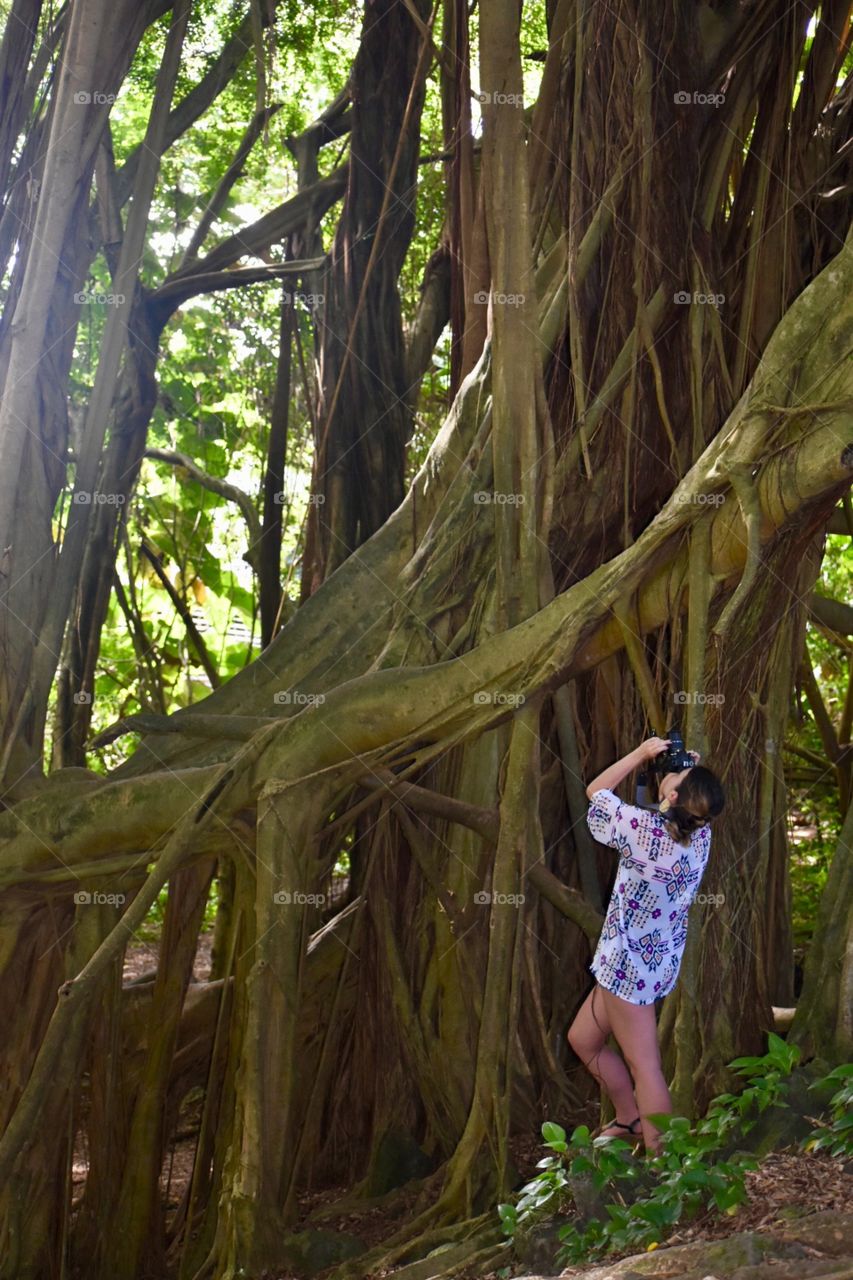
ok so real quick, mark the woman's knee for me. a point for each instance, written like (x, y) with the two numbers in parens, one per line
(576, 1038)
(588, 1055)
(582, 1043)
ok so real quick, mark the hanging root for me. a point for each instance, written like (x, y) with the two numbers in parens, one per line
(742, 483)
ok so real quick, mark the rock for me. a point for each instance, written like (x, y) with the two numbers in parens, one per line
(830, 1231)
(792, 1213)
(784, 1253)
(397, 1160)
(591, 1202)
(538, 1247)
(700, 1260)
(74, 773)
(795, 1270)
(308, 1252)
(744, 1249)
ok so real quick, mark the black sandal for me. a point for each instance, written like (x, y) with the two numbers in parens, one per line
(618, 1124)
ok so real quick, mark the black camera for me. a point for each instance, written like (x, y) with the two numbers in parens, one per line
(673, 759)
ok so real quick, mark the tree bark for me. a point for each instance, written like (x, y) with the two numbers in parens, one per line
(364, 421)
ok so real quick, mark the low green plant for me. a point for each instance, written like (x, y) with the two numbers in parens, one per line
(687, 1177)
(767, 1087)
(550, 1190)
(685, 1180)
(836, 1135)
(647, 1198)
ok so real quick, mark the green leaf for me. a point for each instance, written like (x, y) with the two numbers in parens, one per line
(553, 1133)
(508, 1215)
(648, 1211)
(567, 1232)
(728, 1198)
(695, 1178)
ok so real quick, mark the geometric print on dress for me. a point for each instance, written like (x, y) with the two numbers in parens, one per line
(679, 936)
(620, 973)
(666, 979)
(678, 921)
(652, 948)
(647, 839)
(632, 864)
(627, 942)
(640, 901)
(677, 878)
(655, 850)
(611, 926)
(657, 843)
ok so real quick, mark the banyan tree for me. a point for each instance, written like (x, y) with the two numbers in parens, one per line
(647, 278)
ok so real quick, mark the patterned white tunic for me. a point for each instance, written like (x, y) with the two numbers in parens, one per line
(640, 948)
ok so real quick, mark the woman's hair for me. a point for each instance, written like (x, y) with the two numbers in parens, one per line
(700, 797)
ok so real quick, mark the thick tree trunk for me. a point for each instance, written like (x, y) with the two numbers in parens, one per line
(364, 418)
(99, 42)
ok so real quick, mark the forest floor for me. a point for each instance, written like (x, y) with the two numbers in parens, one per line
(787, 1182)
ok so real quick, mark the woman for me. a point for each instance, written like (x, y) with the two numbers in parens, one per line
(662, 858)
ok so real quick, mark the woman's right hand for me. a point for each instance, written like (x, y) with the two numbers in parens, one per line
(652, 747)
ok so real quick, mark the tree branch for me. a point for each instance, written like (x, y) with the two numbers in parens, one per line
(221, 487)
(835, 615)
(305, 207)
(486, 822)
(826, 729)
(232, 173)
(236, 728)
(741, 478)
(432, 316)
(185, 615)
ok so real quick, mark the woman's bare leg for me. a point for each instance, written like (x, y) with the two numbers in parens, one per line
(636, 1033)
(588, 1037)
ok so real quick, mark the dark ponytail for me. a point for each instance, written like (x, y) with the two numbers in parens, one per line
(700, 798)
